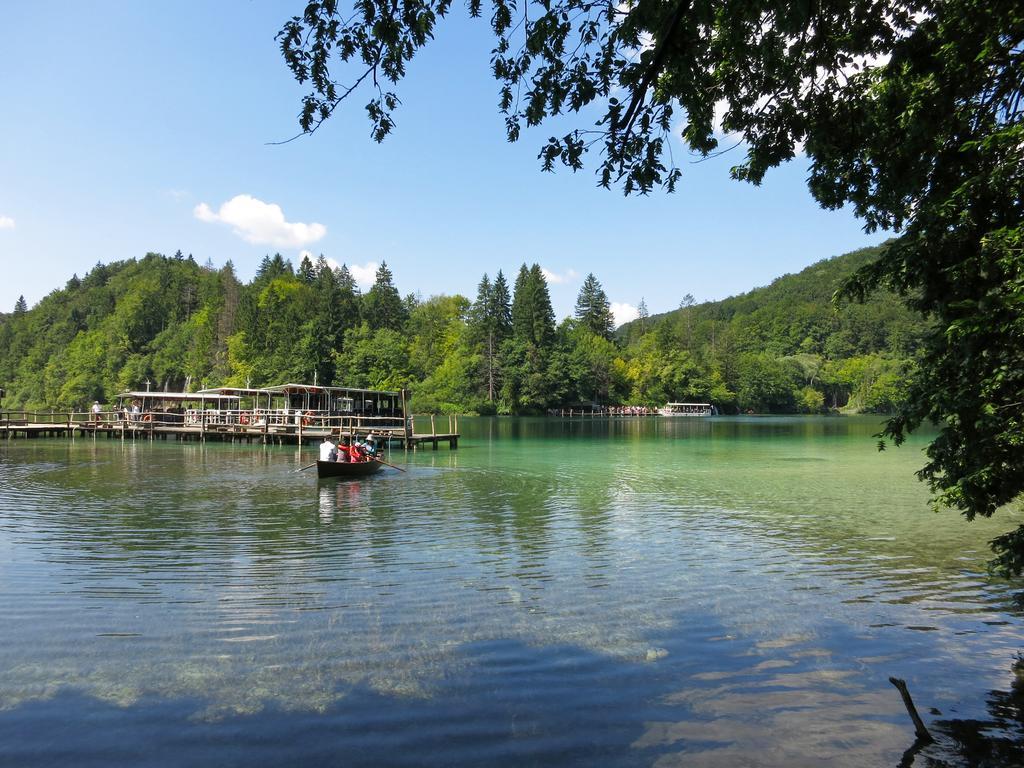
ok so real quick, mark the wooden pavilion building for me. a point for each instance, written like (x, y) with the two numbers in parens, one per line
(286, 413)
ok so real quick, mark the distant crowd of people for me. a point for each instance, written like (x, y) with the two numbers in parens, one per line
(608, 410)
(632, 410)
(346, 450)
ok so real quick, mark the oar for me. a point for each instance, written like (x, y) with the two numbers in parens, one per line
(389, 465)
(306, 467)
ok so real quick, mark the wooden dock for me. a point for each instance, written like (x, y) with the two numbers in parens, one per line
(235, 426)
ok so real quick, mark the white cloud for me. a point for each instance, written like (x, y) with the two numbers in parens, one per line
(365, 275)
(623, 313)
(554, 278)
(6, 222)
(261, 223)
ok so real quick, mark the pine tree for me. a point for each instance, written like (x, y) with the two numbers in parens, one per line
(263, 270)
(272, 268)
(383, 306)
(642, 315)
(20, 306)
(327, 327)
(543, 315)
(526, 356)
(349, 301)
(227, 319)
(480, 312)
(502, 302)
(490, 322)
(306, 272)
(322, 266)
(522, 302)
(533, 319)
(593, 309)
(686, 312)
(482, 327)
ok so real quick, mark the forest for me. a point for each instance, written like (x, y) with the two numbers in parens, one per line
(169, 323)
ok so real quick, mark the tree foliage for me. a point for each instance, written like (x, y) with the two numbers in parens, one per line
(181, 326)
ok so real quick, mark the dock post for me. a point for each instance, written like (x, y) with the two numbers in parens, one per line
(406, 429)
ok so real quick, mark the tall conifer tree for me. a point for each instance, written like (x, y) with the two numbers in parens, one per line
(542, 313)
(349, 301)
(502, 307)
(490, 326)
(522, 302)
(306, 272)
(593, 310)
(383, 306)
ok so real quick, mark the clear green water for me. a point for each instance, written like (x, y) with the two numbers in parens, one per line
(710, 592)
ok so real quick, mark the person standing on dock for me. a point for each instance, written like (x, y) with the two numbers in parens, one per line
(96, 409)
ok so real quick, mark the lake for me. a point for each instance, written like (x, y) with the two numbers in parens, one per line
(633, 592)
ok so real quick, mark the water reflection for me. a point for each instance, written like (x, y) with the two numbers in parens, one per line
(742, 589)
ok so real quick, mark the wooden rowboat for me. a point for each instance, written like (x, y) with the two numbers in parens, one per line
(347, 468)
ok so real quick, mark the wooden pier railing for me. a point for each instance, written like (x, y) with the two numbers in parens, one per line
(263, 425)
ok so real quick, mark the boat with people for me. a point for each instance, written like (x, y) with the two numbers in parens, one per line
(687, 409)
(348, 468)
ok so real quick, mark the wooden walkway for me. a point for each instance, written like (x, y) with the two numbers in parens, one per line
(72, 425)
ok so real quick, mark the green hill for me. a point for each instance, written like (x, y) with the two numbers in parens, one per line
(795, 314)
(181, 325)
(786, 347)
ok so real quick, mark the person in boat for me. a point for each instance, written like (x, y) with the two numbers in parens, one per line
(372, 446)
(343, 450)
(328, 450)
(358, 451)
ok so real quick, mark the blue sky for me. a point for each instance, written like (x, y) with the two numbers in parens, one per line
(129, 125)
